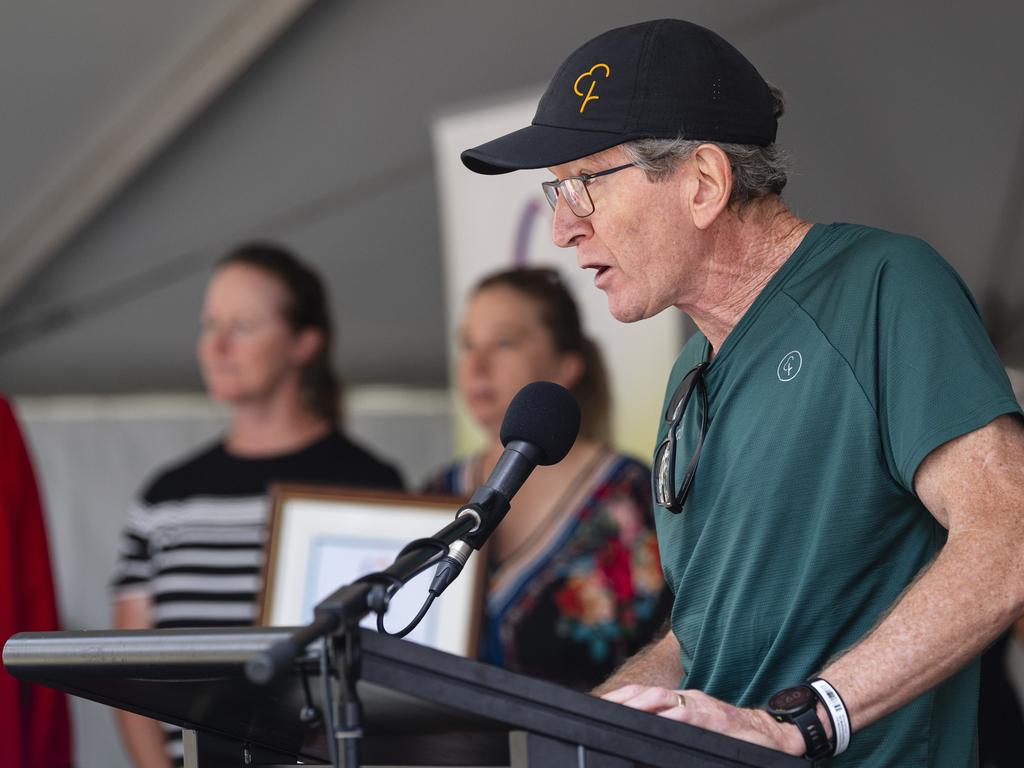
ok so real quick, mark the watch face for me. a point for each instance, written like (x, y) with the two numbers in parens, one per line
(792, 700)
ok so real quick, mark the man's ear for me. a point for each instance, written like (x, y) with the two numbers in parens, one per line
(712, 173)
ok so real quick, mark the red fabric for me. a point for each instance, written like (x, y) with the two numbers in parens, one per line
(34, 727)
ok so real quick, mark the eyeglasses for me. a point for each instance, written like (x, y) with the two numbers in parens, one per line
(574, 190)
(665, 492)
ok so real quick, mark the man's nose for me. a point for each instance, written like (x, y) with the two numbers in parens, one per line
(566, 226)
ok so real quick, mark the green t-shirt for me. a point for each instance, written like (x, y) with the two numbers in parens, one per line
(863, 354)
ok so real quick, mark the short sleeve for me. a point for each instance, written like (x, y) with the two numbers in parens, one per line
(134, 570)
(938, 375)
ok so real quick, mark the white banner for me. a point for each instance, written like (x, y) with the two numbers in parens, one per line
(496, 222)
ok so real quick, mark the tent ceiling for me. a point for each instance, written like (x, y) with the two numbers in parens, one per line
(106, 150)
(902, 115)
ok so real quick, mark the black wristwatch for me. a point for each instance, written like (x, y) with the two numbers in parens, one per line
(798, 705)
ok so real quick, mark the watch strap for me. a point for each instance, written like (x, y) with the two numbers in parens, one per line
(818, 744)
(804, 715)
(835, 707)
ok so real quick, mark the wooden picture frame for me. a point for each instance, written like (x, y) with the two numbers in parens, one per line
(321, 538)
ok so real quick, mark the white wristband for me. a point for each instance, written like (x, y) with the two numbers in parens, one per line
(836, 713)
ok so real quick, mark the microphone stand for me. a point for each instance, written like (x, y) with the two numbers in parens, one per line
(336, 620)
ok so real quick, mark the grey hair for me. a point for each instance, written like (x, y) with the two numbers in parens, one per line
(757, 171)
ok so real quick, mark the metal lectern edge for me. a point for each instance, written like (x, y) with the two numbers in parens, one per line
(518, 702)
(534, 705)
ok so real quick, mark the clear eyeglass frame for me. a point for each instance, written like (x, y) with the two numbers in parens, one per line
(573, 189)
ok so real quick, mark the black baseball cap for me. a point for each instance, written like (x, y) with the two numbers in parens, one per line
(657, 79)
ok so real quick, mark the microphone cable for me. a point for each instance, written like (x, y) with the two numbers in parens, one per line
(386, 586)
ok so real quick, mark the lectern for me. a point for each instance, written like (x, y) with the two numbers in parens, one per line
(422, 707)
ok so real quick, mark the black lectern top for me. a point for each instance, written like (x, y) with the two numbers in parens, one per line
(421, 705)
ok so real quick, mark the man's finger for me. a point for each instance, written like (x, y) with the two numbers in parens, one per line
(654, 700)
(623, 694)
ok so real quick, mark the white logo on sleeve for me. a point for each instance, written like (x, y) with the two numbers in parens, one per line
(790, 366)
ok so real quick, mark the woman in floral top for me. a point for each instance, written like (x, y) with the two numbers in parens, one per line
(575, 586)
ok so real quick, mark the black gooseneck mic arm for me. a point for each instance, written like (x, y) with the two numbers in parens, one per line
(487, 507)
(336, 619)
(347, 606)
(494, 497)
(540, 427)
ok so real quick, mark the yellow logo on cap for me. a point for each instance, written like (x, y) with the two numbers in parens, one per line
(590, 93)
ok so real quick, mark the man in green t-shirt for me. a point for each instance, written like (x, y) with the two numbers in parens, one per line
(838, 474)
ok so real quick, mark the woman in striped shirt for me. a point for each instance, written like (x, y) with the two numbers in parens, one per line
(192, 548)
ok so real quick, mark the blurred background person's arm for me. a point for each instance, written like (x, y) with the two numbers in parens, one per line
(143, 738)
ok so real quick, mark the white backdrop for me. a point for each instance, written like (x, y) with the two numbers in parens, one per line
(496, 222)
(92, 455)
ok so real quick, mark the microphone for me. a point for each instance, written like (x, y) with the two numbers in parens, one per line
(540, 426)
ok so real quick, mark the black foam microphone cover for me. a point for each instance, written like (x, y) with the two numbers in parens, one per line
(543, 414)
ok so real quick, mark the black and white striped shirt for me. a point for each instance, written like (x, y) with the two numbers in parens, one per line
(193, 541)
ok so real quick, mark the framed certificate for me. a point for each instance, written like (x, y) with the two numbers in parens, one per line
(323, 538)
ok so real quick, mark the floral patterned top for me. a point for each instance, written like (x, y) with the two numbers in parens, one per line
(587, 591)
